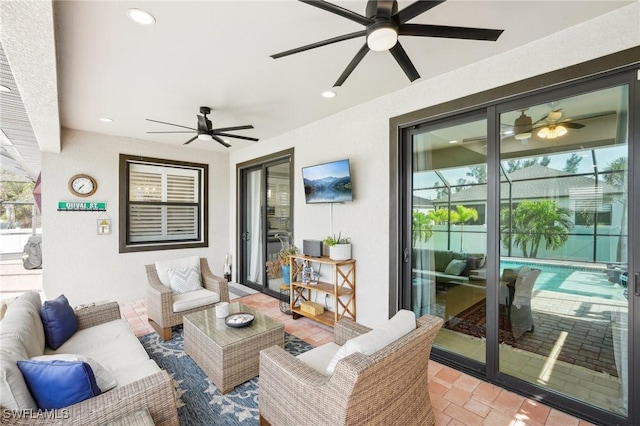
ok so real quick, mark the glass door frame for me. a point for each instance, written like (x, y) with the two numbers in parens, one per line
(401, 226)
(242, 170)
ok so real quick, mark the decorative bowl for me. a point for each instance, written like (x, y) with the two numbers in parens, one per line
(239, 320)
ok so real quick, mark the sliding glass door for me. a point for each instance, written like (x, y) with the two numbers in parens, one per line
(564, 258)
(265, 220)
(448, 247)
(516, 232)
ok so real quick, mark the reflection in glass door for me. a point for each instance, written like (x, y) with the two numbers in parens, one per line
(448, 251)
(266, 223)
(563, 232)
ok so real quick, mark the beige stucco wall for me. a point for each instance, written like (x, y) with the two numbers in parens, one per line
(86, 266)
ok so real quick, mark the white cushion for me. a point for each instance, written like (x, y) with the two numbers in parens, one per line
(104, 377)
(14, 393)
(185, 280)
(22, 320)
(320, 357)
(163, 266)
(194, 299)
(368, 343)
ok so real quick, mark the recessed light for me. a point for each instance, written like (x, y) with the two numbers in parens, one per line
(508, 132)
(4, 88)
(453, 141)
(328, 94)
(141, 16)
(106, 119)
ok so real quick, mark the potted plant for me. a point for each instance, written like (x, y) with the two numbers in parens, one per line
(339, 248)
(280, 265)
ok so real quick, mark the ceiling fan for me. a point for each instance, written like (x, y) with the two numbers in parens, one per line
(383, 24)
(205, 130)
(551, 125)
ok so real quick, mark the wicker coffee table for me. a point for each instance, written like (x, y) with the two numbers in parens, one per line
(229, 356)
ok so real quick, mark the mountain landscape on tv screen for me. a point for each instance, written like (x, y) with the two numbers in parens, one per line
(328, 189)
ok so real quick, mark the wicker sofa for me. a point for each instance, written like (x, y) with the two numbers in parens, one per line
(102, 336)
(387, 387)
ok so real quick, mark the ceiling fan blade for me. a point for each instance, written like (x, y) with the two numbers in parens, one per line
(191, 140)
(405, 63)
(337, 10)
(320, 44)
(352, 65)
(228, 129)
(414, 10)
(229, 135)
(571, 125)
(177, 131)
(444, 31)
(171, 124)
(220, 141)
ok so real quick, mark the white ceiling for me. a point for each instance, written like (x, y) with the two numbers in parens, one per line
(216, 54)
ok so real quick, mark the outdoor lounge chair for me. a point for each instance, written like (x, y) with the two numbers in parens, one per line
(388, 387)
(165, 307)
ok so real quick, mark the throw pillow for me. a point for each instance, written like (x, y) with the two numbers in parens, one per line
(59, 321)
(368, 343)
(185, 280)
(104, 377)
(455, 267)
(58, 384)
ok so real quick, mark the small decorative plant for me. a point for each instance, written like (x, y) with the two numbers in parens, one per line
(275, 266)
(332, 240)
(339, 248)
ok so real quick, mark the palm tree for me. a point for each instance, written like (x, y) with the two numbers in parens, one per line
(420, 227)
(463, 215)
(532, 221)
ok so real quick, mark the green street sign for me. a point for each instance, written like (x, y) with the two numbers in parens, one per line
(80, 206)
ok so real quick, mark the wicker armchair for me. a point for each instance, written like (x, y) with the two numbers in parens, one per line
(160, 298)
(387, 387)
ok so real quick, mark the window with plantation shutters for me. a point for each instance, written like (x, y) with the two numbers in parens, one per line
(164, 204)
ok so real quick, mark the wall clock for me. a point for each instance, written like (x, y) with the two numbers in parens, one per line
(82, 185)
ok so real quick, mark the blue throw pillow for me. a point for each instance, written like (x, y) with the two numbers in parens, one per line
(59, 321)
(58, 384)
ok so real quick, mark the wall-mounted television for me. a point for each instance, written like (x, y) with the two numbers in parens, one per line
(328, 182)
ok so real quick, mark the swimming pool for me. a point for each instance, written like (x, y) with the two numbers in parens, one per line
(575, 280)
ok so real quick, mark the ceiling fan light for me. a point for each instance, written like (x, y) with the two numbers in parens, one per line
(204, 137)
(381, 39)
(552, 132)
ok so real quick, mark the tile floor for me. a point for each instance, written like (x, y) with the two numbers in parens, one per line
(458, 399)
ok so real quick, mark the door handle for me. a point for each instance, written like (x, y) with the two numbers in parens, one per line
(635, 284)
(405, 255)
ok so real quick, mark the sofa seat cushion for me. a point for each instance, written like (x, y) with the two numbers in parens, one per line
(194, 299)
(115, 347)
(163, 267)
(320, 357)
(104, 377)
(22, 320)
(57, 384)
(14, 393)
(368, 343)
(59, 321)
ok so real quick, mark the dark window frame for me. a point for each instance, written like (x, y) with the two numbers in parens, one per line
(202, 240)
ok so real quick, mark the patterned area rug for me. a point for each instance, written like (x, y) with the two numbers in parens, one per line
(587, 341)
(199, 402)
